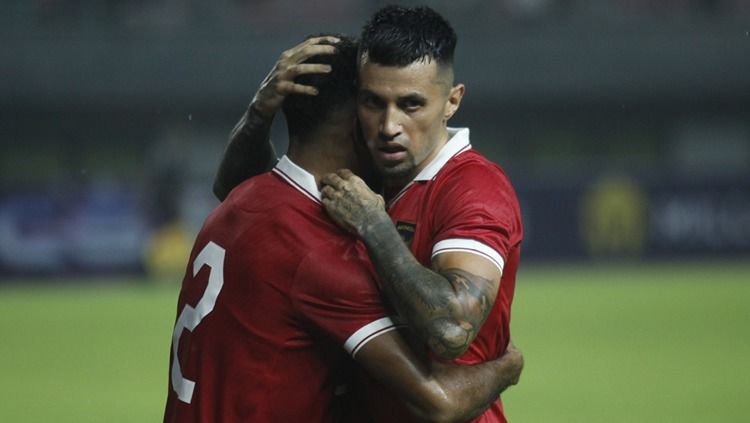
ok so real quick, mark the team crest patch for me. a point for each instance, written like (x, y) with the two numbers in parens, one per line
(406, 230)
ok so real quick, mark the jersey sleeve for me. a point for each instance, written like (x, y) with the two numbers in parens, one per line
(336, 291)
(477, 212)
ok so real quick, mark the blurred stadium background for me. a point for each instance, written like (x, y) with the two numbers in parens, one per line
(624, 124)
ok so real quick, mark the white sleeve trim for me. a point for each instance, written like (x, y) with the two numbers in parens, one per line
(469, 246)
(367, 333)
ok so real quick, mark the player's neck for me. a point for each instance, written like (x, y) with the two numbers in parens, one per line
(322, 155)
(392, 186)
(394, 183)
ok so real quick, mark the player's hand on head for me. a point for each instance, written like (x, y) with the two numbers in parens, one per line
(350, 202)
(279, 82)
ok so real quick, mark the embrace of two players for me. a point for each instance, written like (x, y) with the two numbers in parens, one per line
(310, 297)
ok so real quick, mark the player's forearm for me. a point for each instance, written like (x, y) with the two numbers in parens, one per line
(428, 301)
(248, 153)
(477, 387)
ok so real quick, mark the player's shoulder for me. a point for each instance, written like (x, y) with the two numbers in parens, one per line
(471, 166)
(263, 192)
(471, 178)
(256, 184)
(337, 266)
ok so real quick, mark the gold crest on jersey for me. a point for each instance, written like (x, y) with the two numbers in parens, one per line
(406, 230)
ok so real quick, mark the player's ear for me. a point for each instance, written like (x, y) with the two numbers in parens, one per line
(454, 101)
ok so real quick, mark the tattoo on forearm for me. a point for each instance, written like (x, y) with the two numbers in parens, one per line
(450, 308)
(471, 300)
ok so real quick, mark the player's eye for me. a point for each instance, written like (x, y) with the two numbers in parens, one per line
(411, 104)
(370, 101)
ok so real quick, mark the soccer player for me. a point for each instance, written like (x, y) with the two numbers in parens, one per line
(276, 295)
(448, 247)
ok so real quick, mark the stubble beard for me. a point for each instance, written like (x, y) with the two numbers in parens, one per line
(397, 176)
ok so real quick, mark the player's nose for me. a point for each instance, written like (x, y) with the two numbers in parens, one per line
(389, 124)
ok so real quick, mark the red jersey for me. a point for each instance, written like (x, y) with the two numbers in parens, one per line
(274, 298)
(463, 202)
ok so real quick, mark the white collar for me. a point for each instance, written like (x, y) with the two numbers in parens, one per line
(297, 177)
(458, 141)
(304, 181)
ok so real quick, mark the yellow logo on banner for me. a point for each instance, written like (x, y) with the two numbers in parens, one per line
(613, 218)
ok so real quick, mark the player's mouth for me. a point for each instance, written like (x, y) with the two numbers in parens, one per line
(392, 152)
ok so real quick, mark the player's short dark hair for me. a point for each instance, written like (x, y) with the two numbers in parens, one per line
(399, 36)
(336, 89)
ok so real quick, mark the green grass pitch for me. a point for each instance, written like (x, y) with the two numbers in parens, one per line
(603, 343)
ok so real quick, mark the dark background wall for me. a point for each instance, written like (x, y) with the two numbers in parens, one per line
(624, 124)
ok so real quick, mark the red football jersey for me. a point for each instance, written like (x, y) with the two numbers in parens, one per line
(274, 297)
(463, 202)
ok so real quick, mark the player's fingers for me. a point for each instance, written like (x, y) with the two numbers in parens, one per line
(327, 203)
(307, 68)
(322, 38)
(288, 87)
(332, 180)
(325, 40)
(345, 174)
(293, 71)
(292, 51)
(327, 193)
(308, 51)
(353, 181)
(326, 181)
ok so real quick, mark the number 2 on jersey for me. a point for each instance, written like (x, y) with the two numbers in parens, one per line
(212, 256)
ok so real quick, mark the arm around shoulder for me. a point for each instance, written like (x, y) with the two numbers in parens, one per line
(438, 392)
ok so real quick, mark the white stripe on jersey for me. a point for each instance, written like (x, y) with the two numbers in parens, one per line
(367, 333)
(469, 246)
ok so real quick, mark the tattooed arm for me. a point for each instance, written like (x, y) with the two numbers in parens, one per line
(446, 305)
(249, 151)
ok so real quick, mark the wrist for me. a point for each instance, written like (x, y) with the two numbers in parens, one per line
(377, 225)
(259, 114)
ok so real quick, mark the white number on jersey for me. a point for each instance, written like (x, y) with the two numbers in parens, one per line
(212, 256)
